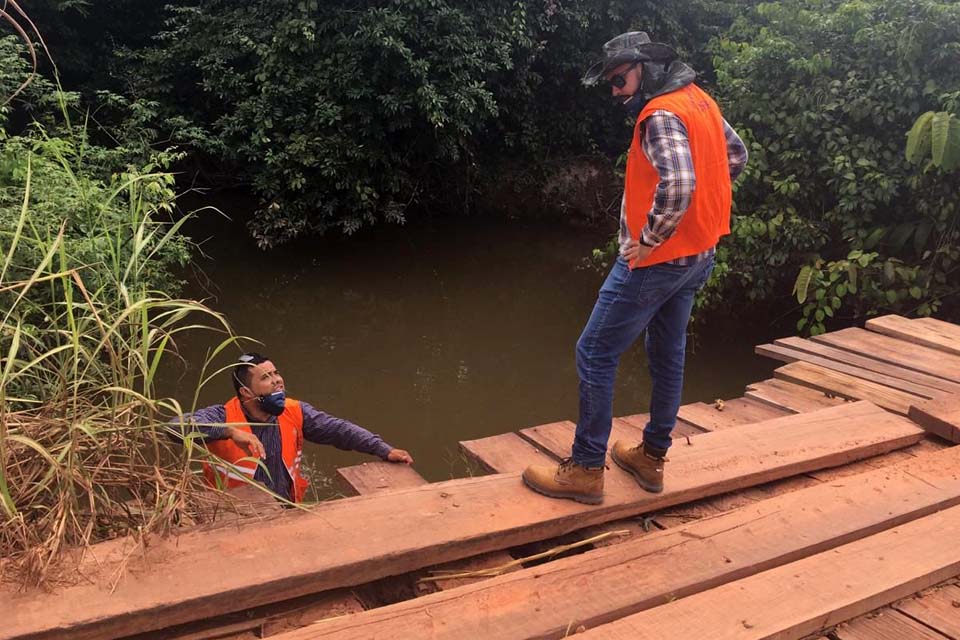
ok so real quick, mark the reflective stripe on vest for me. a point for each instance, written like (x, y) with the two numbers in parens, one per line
(708, 217)
(290, 423)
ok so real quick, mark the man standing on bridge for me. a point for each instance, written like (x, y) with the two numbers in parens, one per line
(258, 434)
(676, 205)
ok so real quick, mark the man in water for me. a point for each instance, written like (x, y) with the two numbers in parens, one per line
(676, 205)
(260, 433)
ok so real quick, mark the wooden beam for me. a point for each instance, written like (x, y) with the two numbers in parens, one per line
(888, 624)
(806, 596)
(556, 438)
(868, 363)
(680, 430)
(893, 351)
(788, 354)
(791, 397)
(352, 541)
(733, 413)
(847, 386)
(938, 609)
(940, 417)
(550, 600)
(504, 453)
(911, 331)
(373, 477)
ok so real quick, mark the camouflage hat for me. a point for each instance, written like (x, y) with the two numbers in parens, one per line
(633, 46)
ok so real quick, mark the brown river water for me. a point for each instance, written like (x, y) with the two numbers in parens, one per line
(435, 334)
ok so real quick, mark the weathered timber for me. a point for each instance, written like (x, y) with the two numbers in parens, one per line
(940, 417)
(372, 477)
(791, 397)
(369, 537)
(803, 597)
(504, 453)
(888, 624)
(788, 354)
(938, 609)
(905, 354)
(847, 386)
(868, 363)
(680, 430)
(729, 413)
(917, 333)
(665, 565)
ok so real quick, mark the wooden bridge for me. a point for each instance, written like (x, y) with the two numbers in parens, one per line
(819, 496)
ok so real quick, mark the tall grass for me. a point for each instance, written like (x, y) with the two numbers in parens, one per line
(85, 454)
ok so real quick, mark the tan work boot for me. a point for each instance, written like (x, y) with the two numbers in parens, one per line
(567, 480)
(644, 463)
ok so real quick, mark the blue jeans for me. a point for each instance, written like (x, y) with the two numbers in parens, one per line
(659, 299)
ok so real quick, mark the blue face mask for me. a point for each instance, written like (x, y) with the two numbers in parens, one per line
(273, 403)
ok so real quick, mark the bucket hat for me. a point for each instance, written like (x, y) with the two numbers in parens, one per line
(633, 46)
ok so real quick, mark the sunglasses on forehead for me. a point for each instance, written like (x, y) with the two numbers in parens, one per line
(618, 80)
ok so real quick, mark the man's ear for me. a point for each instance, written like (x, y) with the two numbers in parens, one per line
(246, 393)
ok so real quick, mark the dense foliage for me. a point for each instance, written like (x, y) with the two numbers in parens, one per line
(825, 91)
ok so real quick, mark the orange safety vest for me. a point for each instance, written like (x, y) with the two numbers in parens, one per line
(708, 217)
(290, 423)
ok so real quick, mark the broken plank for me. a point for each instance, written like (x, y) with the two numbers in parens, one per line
(940, 417)
(887, 349)
(939, 609)
(370, 537)
(806, 596)
(504, 453)
(868, 363)
(847, 386)
(736, 412)
(549, 600)
(790, 397)
(788, 354)
(904, 329)
(371, 477)
(888, 624)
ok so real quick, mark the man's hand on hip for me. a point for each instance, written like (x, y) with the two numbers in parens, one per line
(635, 251)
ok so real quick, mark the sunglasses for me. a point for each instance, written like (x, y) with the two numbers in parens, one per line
(618, 80)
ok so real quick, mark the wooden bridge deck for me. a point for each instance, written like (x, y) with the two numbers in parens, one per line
(813, 499)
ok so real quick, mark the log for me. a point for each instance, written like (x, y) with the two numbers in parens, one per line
(352, 541)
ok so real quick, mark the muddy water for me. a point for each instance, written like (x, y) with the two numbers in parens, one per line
(436, 334)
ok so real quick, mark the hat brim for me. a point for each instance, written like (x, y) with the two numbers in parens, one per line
(653, 51)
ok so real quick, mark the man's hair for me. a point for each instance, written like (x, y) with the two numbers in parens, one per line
(243, 368)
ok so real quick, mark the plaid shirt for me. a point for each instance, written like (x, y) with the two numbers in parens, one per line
(667, 147)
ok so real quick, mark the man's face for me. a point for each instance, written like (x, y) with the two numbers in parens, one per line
(264, 379)
(631, 73)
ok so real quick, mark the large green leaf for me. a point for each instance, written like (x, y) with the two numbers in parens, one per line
(802, 285)
(939, 131)
(918, 140)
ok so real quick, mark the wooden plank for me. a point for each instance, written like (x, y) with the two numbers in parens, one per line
(940, 417)
(788, 354)
(904, 329)
(887, 349)
(888, 624)
(946, 329)
(504, 453)
(868, 363)
(546, 601)
(925, 446)
(680, 430)
(373, 477)
(370, 537)
(556, 438)
(806, 596)
(790, 397)
(939, 609)
(846, 386)
(733, 413)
